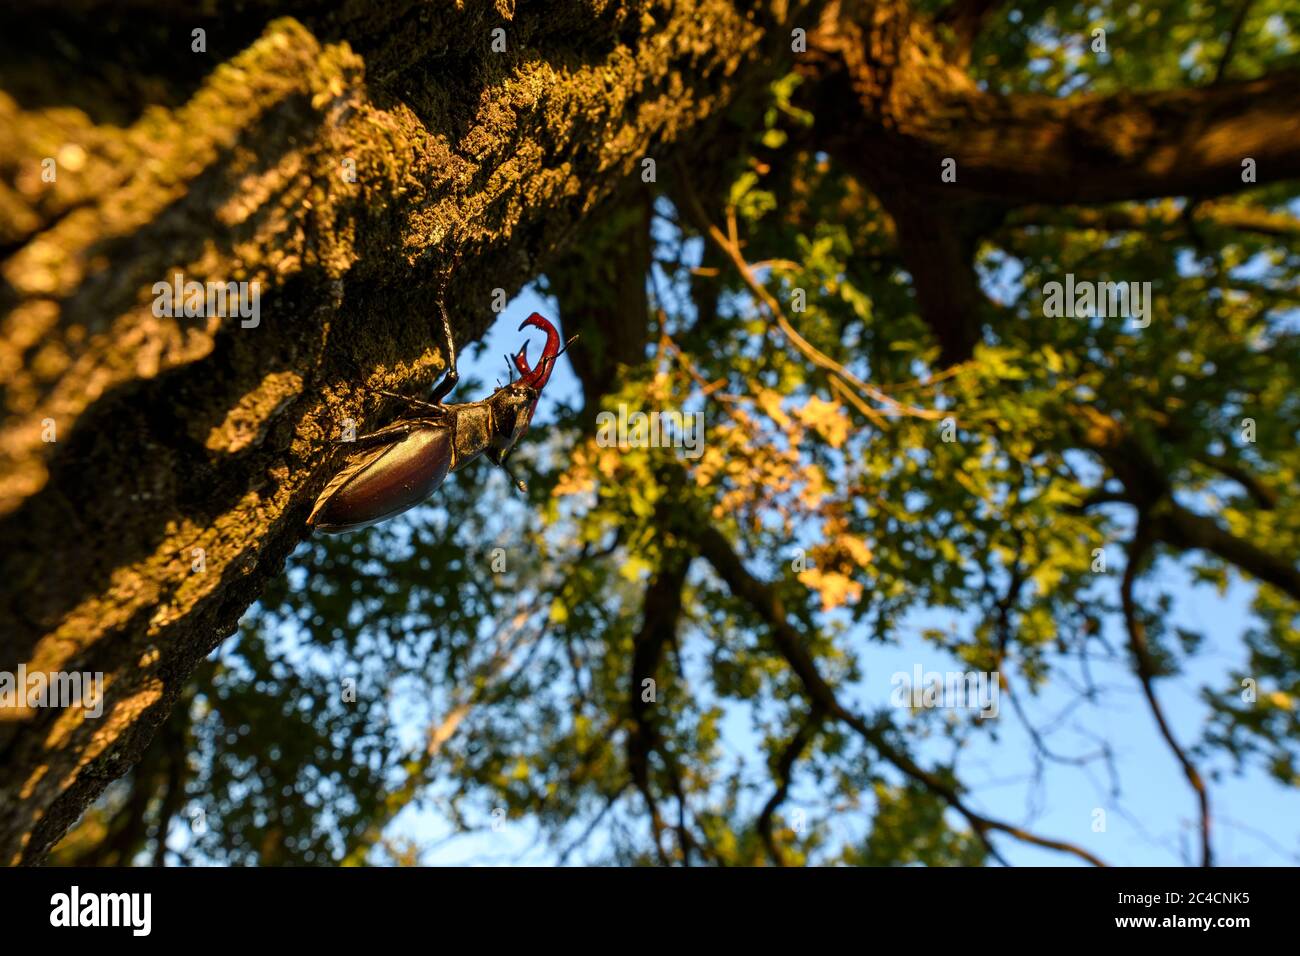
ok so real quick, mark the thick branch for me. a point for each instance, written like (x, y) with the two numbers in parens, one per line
(1182, 528)
(938, 240)
(1265, 497)
(1188, 142)
(885, 85)
(1166, 221)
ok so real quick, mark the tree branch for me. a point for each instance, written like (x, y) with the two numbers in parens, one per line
(790, 755)
(1183, 528)
(1234, 31)
(764, 602)
(660, 615)
(886, 87)
(1138, 553)
(601, 288)
(1265, 497)
(1167, 219)
(1147, 486)
(854, 388)
(1187, 142)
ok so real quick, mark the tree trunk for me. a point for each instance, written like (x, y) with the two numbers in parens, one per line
(187, 452)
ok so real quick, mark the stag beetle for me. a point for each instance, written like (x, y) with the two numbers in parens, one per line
(409, 459)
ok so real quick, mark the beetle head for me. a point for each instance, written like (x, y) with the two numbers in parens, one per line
(513, 405)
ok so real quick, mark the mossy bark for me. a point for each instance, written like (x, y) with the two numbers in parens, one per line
(188, 452)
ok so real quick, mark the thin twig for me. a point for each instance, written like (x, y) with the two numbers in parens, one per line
(1230, 47)
(729, 245)
(1138, 552)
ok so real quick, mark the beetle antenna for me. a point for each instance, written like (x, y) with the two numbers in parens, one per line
(510, 369)
(550, 359)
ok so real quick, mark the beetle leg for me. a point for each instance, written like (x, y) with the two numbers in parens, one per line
(452, 377)
(381, 435)
(499, 459)
(417, 402)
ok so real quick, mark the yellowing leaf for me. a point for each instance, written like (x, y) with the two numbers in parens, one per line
(770, 402)
(826, 419)
(858, 549)
(835, 589)
(559, 613)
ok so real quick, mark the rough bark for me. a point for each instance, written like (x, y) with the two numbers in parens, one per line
(175, 434)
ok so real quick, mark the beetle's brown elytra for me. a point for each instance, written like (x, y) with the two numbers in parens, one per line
(385, 483)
